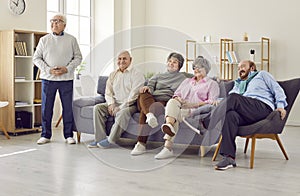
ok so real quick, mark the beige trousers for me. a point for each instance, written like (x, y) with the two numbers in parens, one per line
(121, 122)
(173, 109)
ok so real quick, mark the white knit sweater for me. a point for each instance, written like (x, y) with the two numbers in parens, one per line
(54, 50)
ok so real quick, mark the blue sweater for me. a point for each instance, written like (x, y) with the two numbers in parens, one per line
(265, 88)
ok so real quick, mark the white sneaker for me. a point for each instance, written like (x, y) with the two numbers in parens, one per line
(138, 149)
(164, 154)
(151, 120)
(43, 140)
(71, 140)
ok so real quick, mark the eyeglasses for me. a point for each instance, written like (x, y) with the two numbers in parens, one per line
(57, 21)
(197, 67)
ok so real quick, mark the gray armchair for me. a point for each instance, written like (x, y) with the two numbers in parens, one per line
(83, 109)
(270, 127)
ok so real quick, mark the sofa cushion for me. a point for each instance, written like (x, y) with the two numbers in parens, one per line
(101, 85)
(87, 112)
(88, 101)
(225, 87)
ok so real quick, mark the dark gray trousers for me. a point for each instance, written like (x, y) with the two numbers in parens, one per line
(234, 111)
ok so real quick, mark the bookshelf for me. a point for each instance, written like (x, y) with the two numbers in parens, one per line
(226, 68)
(190, 56)
(242, 50)
(217, 53)
(20, 84)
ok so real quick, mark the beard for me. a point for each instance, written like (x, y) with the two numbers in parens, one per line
(244, 74)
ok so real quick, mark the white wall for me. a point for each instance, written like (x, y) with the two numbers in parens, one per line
(190, 18)
(34, 17)
(137, 19)
(277, 20)
(103, 50)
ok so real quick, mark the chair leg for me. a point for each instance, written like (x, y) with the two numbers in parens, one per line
(252, 152)
(4, 131)
(217, 149)
(204, 150)
(246, 145)
(78, 136)
(281, 147)
(60, 118)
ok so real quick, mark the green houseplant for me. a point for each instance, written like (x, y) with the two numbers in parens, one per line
(78, 70)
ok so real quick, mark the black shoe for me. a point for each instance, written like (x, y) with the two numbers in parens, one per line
(226, 163)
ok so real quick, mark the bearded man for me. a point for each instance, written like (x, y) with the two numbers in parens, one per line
(254, 96)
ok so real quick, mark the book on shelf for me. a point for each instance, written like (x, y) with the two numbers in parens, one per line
(24, 48)
(19, 78)
(235, 56)
(37, 101)
(229, 57)
(36, 73)
(20, 103)
(232, 57)
(20, 48)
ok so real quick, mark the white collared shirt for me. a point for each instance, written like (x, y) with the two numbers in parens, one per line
(123, 87)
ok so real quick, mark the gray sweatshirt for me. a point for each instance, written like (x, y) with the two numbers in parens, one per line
(163, 85)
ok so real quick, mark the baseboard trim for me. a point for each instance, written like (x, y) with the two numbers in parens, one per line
(293, 123)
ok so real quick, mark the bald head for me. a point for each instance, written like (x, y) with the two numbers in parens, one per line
(124, 60)
(244, 68)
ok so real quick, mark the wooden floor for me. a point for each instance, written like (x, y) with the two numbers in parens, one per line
(69, 170)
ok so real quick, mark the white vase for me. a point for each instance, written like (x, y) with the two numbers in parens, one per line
(252, 57)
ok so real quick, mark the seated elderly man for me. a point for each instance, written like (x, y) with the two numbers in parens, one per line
(122, 89)
(254, 96)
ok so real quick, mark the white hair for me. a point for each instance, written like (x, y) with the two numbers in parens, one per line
(64, 18)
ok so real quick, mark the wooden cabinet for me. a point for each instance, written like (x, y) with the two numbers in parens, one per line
(20, 84)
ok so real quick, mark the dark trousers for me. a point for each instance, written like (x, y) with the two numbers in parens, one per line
(49, 89)
(147, 103)
(236, 110)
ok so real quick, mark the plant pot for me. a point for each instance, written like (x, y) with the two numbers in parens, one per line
(78, 76)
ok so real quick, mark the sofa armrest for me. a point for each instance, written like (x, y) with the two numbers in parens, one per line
(88, 101)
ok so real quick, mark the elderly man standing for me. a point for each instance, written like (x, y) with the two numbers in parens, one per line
(57, 55)
(121, 93)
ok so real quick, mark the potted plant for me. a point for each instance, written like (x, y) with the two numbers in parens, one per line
(78, 70)
(148, 75)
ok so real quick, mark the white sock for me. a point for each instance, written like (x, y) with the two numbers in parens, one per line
(151, 120)
(169, 145)
(141, 143)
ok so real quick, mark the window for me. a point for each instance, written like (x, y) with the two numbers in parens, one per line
(78, 14)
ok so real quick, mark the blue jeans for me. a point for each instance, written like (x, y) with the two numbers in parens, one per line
(49, 89)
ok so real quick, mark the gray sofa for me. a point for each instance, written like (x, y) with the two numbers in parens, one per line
(83, 116)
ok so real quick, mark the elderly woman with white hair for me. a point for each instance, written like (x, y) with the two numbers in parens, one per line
(192, 93)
